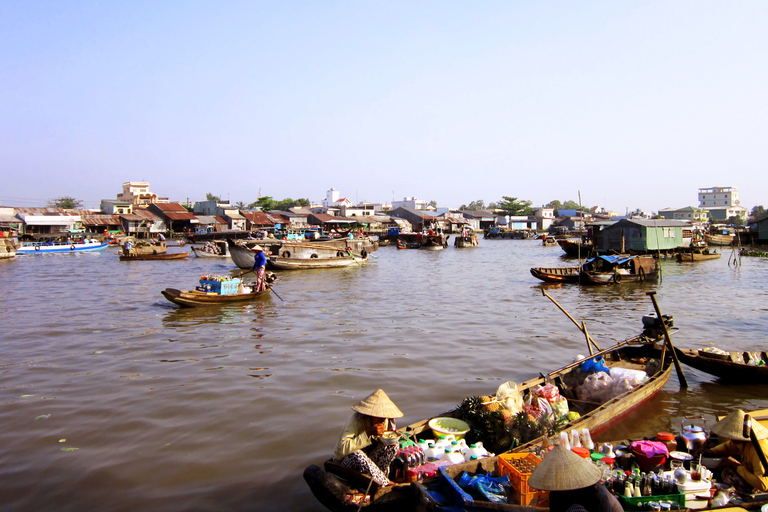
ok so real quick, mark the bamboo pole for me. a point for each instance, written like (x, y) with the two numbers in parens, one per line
(581, 328)
(668, 342)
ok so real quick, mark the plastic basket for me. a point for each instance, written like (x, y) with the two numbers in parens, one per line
(518, 479)
(534, 499)
(638, 503)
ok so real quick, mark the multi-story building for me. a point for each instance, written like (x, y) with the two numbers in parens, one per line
(722, 203)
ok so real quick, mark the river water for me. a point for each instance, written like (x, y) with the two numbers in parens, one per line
(114, 399)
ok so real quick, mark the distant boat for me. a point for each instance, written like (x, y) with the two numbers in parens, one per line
(343, 260)
(215, 249)
(163, 256)
(465, 241)
(697, 254)
(556, 274)
(58, 246)
(7, 248)
(576, 248)
(619, 269)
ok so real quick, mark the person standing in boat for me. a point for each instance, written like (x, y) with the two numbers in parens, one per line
(356, 449)
(745, 446)
(127, 248)
(572, 483)
(259, 264)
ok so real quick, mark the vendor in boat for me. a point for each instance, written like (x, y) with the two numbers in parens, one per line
(746, 443)
(127, 248)
(357, 449)
(572, 483)
(259, 264)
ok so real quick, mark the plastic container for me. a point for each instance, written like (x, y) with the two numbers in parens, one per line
(668, 439)
(518, 478)
(631, 504)
(581, 452)
(442, 427)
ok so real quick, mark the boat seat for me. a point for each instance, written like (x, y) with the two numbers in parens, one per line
(355, 478)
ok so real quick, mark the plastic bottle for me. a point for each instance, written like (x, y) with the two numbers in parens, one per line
(564, 441)
(587, 440)
(575, 439)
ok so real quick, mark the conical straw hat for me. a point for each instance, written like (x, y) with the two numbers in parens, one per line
(257, 248)
(379, 405)
(563, 470)
(732, 427)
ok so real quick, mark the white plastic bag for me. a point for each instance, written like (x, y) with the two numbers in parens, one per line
(510, 397)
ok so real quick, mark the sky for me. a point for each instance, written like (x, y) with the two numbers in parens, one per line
(625, 105)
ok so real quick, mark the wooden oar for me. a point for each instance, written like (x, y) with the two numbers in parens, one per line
(349, 251)
(668, 342)
(581, 327)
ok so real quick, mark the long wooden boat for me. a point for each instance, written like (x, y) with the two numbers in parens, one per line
(556, 274)
(278, 263)
(195, 298)
(216, 249)
(162, 256)
(576, 248)
(697, 254)
(7, 248)
(434, 242)
(619, 269)
(331, 486)
(465, 241)
(719, 239)
(58, 247)
(732, 367)
(360, 248)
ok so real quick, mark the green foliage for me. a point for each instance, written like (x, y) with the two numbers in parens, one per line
(758, 212)
(735, 221)
(211, 197)
(264, 203)
(65, 202)
(514, 206)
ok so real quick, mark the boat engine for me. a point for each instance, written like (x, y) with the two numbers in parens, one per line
(652, 326)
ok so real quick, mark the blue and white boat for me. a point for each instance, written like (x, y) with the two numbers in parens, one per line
(50, 246)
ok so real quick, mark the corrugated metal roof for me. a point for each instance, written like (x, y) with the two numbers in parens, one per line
(101, 220)
(170, 207)
(185, 215)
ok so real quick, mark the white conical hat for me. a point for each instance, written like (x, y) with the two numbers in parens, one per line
(378, 404)
(732, 427)
(563, 470)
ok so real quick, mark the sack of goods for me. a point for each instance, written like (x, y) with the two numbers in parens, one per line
(600, 387)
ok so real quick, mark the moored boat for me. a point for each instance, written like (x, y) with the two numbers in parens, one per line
(212, 249)
(340, 261)
(432, 241)
(356, 248)
(637, 356)
(697, 254)
(151, 257)
(721, 237)
(556, 274)
(734, 366)
(461, 241)
(57, 246)
(576, 248)
(606, 269)
(7, 248)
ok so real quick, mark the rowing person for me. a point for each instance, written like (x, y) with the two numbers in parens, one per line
(356, 449)
(259, 264)
(744, 452)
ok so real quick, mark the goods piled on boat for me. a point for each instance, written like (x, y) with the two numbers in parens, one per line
(223, 285)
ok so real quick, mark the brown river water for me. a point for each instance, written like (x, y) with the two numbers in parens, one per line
(113, 399)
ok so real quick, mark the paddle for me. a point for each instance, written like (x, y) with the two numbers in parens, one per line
(581, 326)
(353, 257)
(755, 442)
(270, 286)
(668, 342)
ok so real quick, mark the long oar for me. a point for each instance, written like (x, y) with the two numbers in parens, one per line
(668, 343)
(353, 257)
(581, 327)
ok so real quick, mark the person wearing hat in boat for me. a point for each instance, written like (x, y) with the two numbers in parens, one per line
(746, 444)
(572, 482)
(357, 449)
(259, 264)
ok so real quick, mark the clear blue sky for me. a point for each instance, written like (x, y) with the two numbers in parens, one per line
(635, 104)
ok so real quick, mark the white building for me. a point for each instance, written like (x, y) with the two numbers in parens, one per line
(138, 193)
(410, 202)
(722, 203)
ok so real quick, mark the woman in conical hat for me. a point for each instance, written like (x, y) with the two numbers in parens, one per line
(358, 447)
(572, 483)
(744, 451)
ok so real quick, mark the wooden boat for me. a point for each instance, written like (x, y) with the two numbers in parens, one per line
(331, 486)
(143, 247)
(404, 244)
(697, 254)
(619, 269)
(433, 242)
(7, 248)
(195, 298)
(719, 238)
(59, 246)
(162, 256)
(344, 260)
(465, 241)
(548, 241)
(556, 274)
(731, 367)
(576, 248)
(243, 257)
(215, 249)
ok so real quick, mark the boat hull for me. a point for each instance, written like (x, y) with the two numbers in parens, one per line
(697, 256)
(725, 369)
(60, 248)
(199, 253)
(152, 257)
(461, 242)
(278, 263)
(193, 298)
(556, 274)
